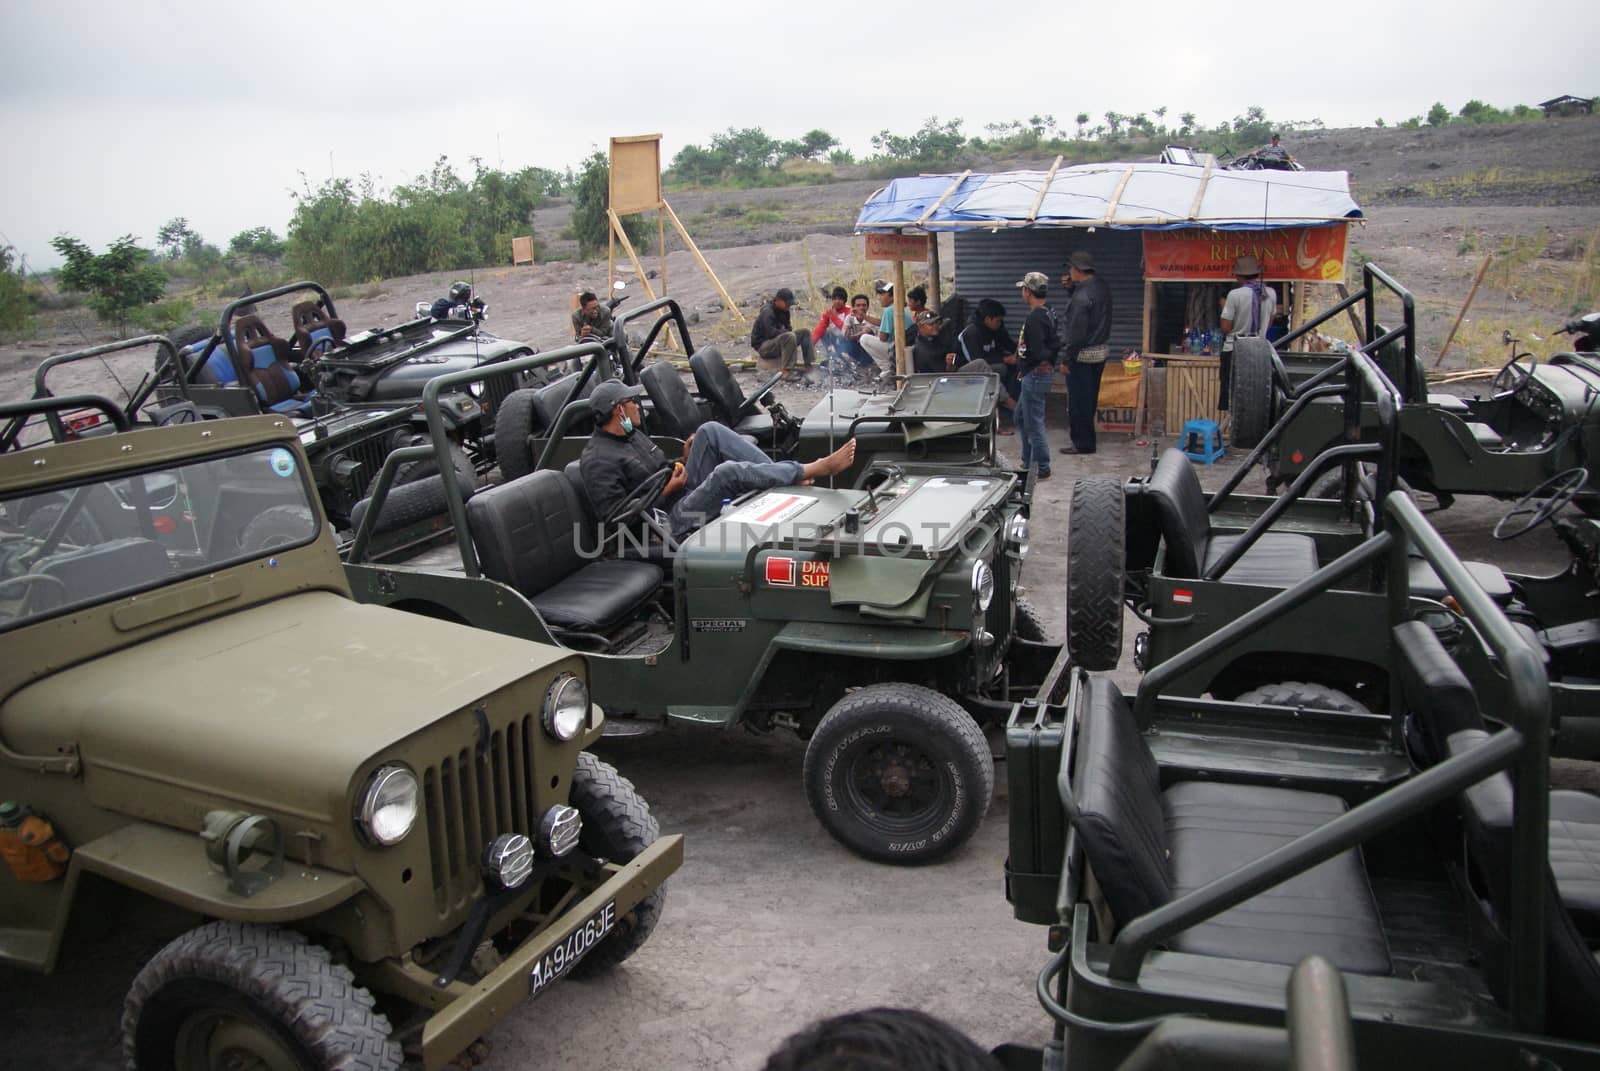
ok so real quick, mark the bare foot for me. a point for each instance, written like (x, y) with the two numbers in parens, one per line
(834, 463)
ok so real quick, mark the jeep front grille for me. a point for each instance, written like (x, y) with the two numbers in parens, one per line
(369, 452)
(495, 390)
(472, 797)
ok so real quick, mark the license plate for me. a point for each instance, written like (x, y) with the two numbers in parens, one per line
(577, 944)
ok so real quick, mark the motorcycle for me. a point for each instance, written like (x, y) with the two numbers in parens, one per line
(1585, 331)
(475, 310)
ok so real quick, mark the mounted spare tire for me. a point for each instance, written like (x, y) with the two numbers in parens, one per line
(1096, 565)
(513, 426)
(1251, 398)
(1302, 694)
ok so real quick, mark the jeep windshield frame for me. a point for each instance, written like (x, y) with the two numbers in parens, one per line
(130, 531)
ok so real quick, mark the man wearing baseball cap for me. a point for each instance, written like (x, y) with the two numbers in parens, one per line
(775, 340)
(880, 346)
(1036, 367)
(718, 464)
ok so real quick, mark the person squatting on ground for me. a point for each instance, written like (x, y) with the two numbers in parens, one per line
(932, 351)
(1246, 313)
(880, 1039)
(775, 339)
(1036, 349)
(881, 346)
(591, 319)
(718, 463)
(832, 336)
(1086, 326)
(985, 341)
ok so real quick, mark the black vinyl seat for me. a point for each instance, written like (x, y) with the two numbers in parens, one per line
(549, 400)
(674, 410)
(532, 533)
(1425, 582)
(1276, 559)
(728, 403)
(1146, 847)
(1444, 721)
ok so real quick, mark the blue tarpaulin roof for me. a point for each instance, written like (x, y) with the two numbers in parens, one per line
(1121, 195)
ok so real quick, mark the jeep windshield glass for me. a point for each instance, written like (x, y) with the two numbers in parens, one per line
(69, 547)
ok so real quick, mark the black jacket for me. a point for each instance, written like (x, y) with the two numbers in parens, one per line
(1038, 343)
(613, 465)
(770, 323)
(978, 343)
(928, 354)
(1087, 320)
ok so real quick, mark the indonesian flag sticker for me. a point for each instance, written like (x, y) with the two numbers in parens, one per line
(1183, 595)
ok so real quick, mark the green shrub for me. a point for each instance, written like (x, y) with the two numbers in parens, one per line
(117, 281)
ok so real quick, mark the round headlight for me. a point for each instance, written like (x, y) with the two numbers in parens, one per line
(982, 586)
(566, 707)
(1017, 535)
(389, 805)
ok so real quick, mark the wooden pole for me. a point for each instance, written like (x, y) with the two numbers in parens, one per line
(1116, 197)
(1044, 188)
(1477, 281)
(627, 247)
(683, 233)
(935, 290)
(1355, 321)
(954, 186)
(667, 336)
(899, 320)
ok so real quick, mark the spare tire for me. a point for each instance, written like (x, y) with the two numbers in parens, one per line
(406, 505)
(1302, 694)
(1252, 393)
(412, 471)
(513, 427)
(1096, 564)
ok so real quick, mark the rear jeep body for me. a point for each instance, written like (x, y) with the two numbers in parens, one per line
(881, 621)
(224, 731)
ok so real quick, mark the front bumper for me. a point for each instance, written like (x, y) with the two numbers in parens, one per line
(463, 1020)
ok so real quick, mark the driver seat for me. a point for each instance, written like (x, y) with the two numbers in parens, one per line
(314, 328)
(1276, 559)
(276, 383)
(527, 533)
(728, 402)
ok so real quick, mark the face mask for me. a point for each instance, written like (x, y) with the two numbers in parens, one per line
(627, 426)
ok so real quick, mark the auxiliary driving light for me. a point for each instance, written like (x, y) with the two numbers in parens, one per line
(559, 830)
(1017, 535)
(508, 860)
(566, 707)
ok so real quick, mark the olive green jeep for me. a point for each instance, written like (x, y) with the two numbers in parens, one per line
(384, 828)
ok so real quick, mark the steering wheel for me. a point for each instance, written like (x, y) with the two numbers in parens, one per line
(1513, 375)
(1556, 492)
(640, 499)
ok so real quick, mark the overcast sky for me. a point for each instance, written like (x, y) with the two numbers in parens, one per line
(120, 116)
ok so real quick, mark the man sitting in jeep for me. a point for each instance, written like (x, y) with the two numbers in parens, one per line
(718, 464)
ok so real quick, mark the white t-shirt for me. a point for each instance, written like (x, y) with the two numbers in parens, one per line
(1237, 310)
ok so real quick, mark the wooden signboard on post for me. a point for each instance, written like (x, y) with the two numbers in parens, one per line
(522, 250)
(898, 247)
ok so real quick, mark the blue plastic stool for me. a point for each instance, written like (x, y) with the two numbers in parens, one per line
(1202, 440)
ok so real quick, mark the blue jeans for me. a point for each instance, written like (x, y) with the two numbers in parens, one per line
(1030, 419)
(723, 465)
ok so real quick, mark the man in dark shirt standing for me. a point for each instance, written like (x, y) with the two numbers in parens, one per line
(774, 338)
(718, 464)
(1086, 327)
(1036, 355)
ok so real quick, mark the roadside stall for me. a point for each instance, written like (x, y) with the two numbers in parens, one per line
(1164, 237)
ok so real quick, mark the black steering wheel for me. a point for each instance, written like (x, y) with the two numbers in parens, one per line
(641, 498)
(1513, 375)
(1556, 492)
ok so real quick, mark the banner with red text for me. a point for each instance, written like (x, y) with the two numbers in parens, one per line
(1200, 255)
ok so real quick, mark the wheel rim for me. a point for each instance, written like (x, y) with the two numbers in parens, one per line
(218, 1040)
(896, 786)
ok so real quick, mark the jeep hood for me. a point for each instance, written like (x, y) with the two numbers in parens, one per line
(279, 704)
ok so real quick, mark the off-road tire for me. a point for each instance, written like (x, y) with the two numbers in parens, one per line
(183, 336)
(276, 526)
(513, 425)
(1029, 625)
(406, 505)
(1250, 399)
(1302, 694)
(262, 977)
(1096, 566)
(897, 724)
(617, 825)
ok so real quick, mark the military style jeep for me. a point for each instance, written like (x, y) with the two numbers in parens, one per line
(1186, 852)
(386, 827)
(881, 621)
(1541, 420)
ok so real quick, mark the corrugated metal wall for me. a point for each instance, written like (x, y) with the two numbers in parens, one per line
(989, 264)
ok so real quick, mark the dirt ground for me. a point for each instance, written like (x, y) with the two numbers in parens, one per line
(770, 923)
